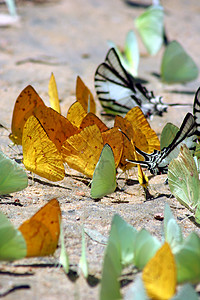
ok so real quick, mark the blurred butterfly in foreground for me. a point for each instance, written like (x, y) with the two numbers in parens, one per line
(118, 91)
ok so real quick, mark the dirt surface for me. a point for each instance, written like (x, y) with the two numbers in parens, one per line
(69, 38)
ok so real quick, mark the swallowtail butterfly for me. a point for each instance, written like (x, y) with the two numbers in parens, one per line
(158, 161)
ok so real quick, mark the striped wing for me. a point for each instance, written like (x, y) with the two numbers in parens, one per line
(196, 110)
(158, 161)
(119, 92)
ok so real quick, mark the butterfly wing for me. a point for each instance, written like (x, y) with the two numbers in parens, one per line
(12, 243)
(26, 102)
(13, 178)
(40, 153)
(104, 177)
(177, 65)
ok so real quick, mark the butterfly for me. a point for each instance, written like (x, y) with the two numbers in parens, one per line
(159, 275)
(40, 154)
(150, 25)
(118, 91)
(104, 177)
(136, 132)
(157, 162)
(177, 65)
(184, 181)
(13, 177)
(41, 232)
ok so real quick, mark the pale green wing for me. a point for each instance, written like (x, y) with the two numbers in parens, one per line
(172, 231)
(177, 65)
(132, 55)
(104, 177)
(151, 28)
(188, 260)
(186, 292)
(183, 179)
(168, 134)
(13, 178)
(12, 243)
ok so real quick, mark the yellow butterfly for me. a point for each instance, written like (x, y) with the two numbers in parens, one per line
(159, 275)
(40, 154)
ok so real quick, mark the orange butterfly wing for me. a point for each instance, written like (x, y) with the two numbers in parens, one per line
(57, 127)
(41, 232)
(83, 95)
(91, 119)
(26, 102)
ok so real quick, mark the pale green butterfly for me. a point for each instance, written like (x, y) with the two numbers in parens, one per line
(131, 56)
(177, 65)
(12, 243)
(188, 260)
(104, 177)
(13, 178)
(184, 181)
(151, 28)
(168, 134)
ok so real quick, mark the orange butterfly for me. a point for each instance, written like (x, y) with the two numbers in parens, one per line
(41, 232)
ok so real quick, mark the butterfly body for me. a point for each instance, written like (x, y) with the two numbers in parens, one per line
(118, 91)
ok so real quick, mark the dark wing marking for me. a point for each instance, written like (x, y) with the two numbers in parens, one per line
(196, 110)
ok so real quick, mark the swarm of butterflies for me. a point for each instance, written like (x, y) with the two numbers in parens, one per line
(86, 144)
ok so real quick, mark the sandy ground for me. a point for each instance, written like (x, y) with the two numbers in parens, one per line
(69, 38)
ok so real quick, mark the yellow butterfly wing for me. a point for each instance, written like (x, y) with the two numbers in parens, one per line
(40, 154)
(159, 275)
(84, 95)
(76, 114)
(137, 119)
(41, 232)
(53, 94)
(82, 151)
(26, 102)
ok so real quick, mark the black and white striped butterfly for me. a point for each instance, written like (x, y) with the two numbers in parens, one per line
(158, 161)
(118, 91)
